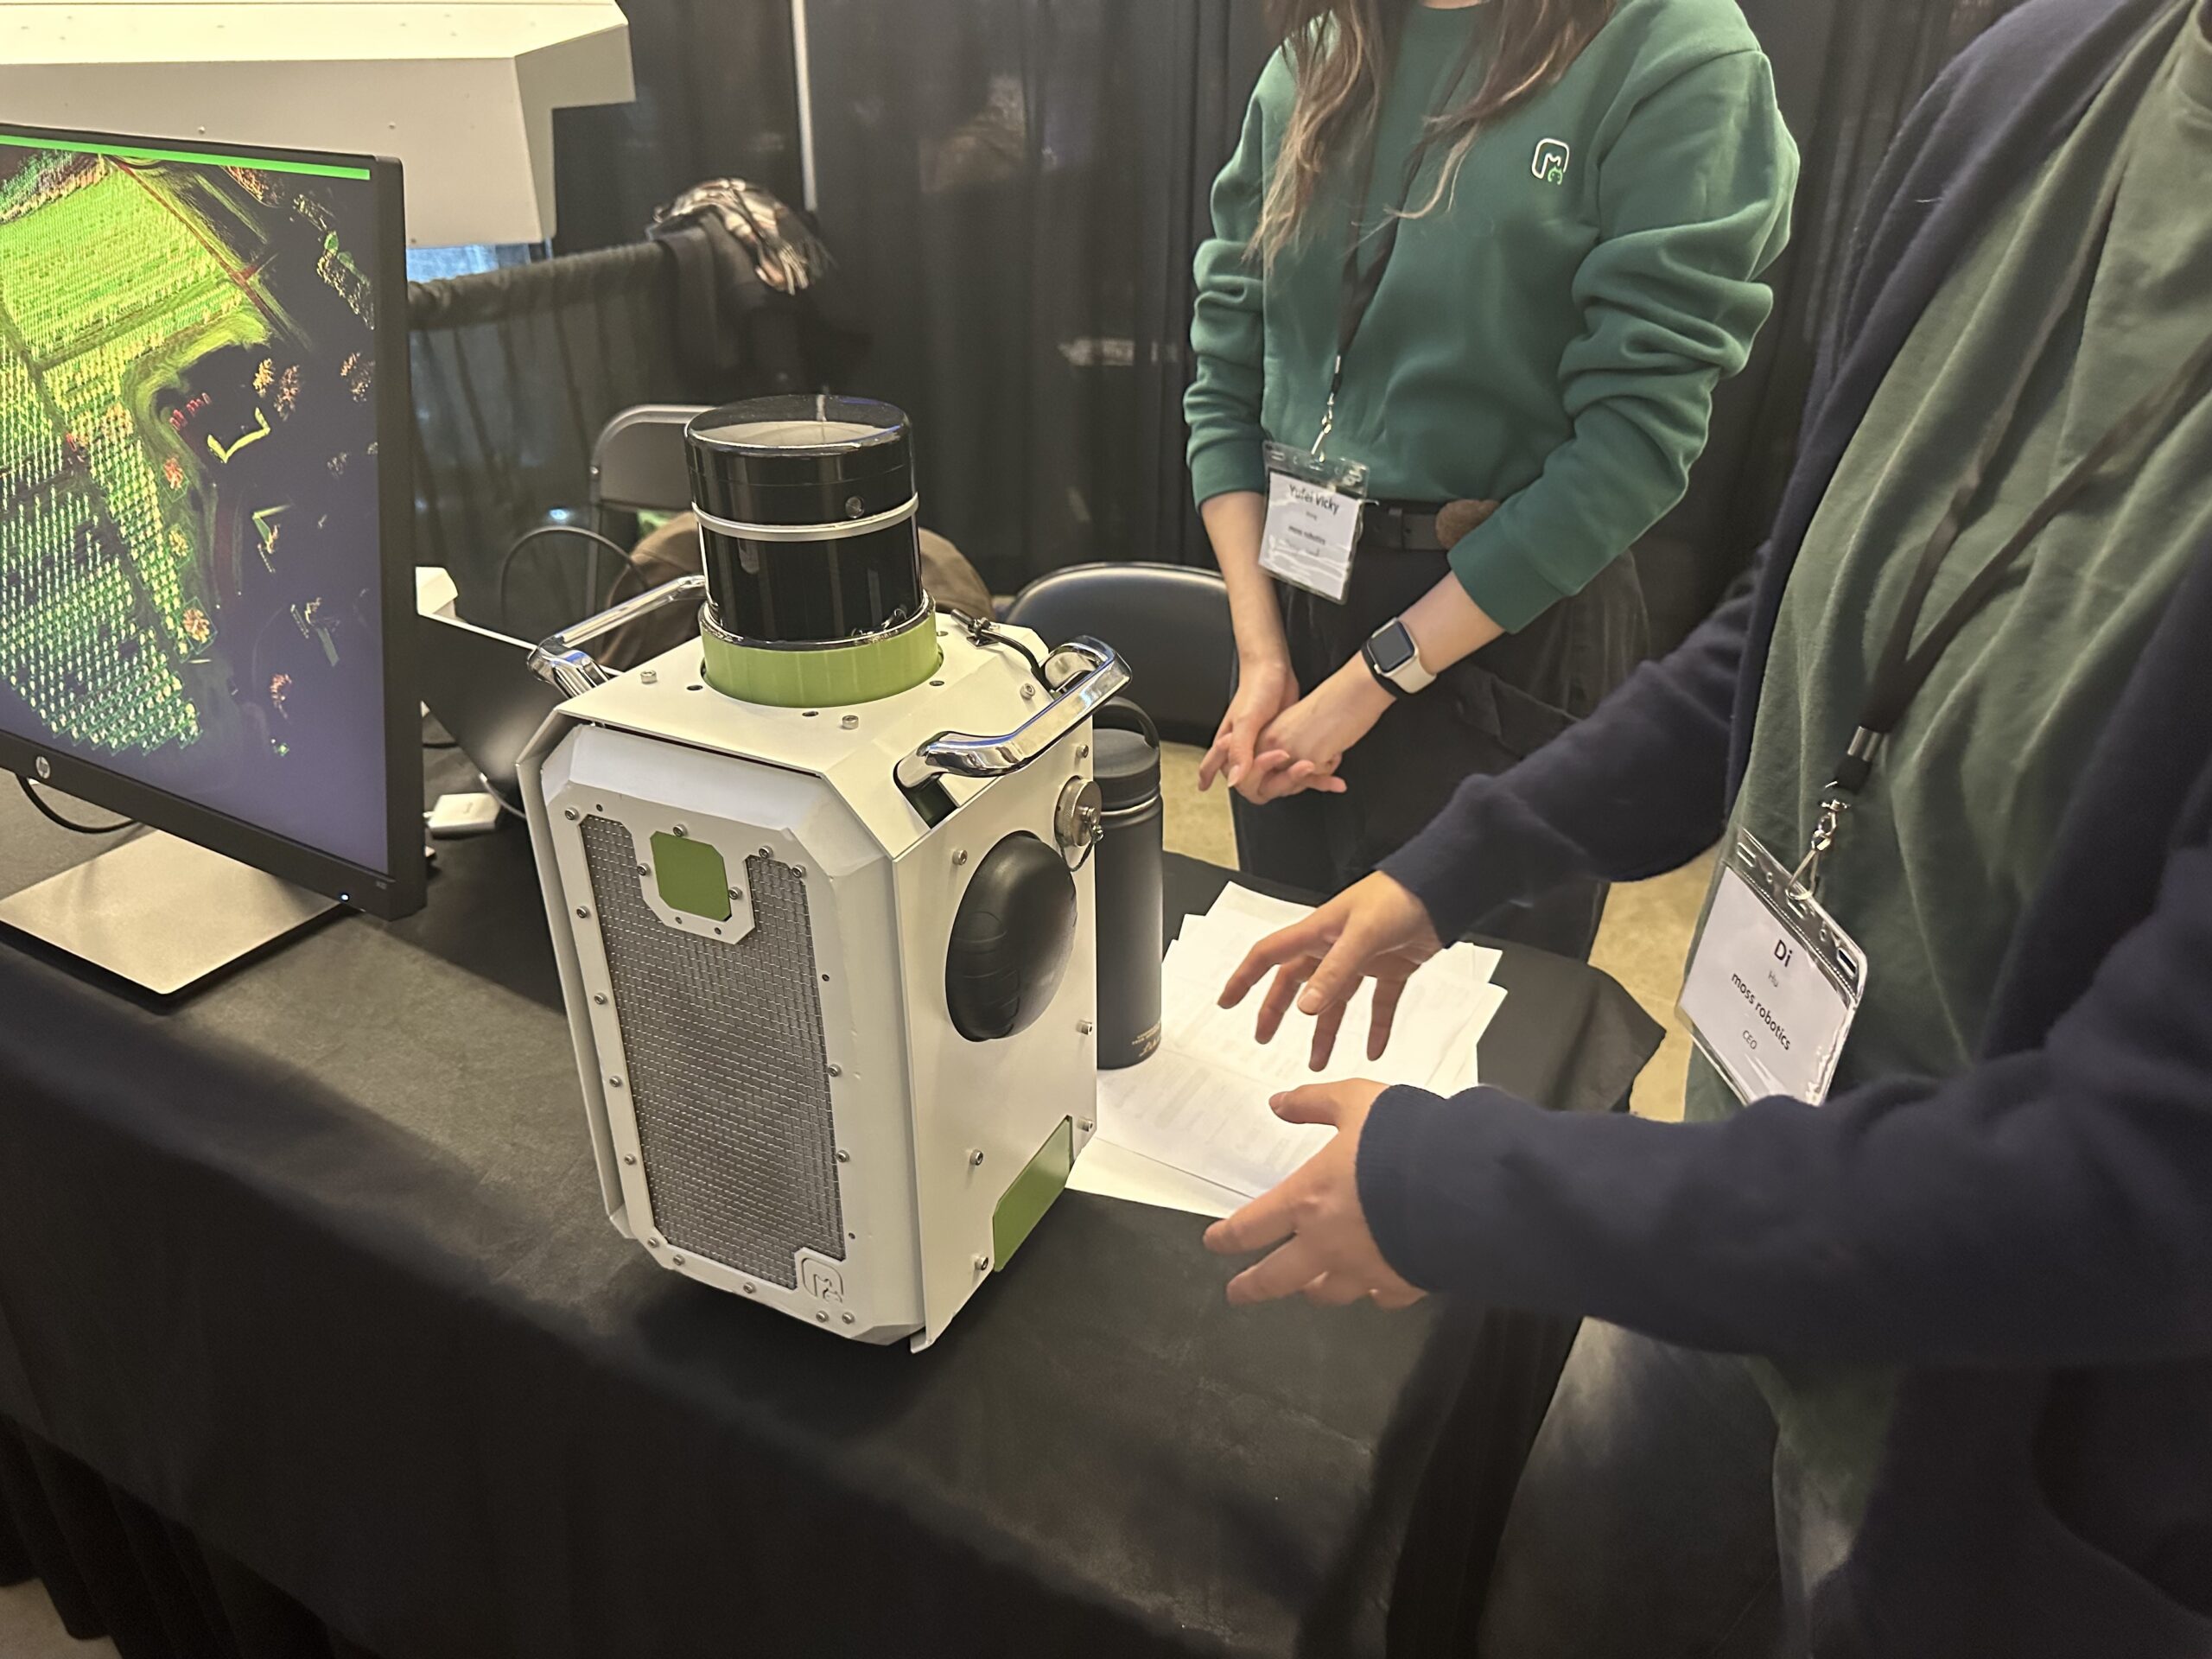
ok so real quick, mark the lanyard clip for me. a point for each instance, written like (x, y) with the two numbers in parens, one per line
(1807, 875)
(1329, 409)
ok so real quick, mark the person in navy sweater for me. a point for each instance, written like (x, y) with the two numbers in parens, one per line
(1925, 1367)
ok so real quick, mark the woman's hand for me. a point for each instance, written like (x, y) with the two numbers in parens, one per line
(1306, 744)
(1374, 929)
(1326, 1251)
(1264, 690)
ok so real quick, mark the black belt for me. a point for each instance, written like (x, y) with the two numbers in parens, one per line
(1399, 529)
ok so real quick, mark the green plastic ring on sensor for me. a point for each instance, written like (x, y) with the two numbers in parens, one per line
(828, 678)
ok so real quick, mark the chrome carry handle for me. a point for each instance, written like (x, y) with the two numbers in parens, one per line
(563, 664)
(1100, 674)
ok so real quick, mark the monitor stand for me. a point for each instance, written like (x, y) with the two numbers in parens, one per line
(161, 912)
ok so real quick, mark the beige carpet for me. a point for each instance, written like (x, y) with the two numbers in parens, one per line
(1645, 935)
(28, 1628)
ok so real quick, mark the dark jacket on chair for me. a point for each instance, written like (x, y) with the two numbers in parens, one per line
(2032, 1239)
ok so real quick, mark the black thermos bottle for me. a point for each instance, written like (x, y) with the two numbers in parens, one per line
(1125, 761)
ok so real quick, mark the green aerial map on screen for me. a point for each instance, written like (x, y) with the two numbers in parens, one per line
(189, 570)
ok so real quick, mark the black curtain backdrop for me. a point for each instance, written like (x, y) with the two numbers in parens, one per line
(1015, 190)
(716, 98)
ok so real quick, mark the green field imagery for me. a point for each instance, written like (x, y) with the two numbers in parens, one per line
(150, 365)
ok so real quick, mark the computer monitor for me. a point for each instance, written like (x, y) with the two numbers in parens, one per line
(205, 512)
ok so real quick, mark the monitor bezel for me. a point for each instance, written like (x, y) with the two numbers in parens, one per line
(400, 890)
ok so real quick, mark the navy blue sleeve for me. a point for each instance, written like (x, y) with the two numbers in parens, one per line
(2047, 1208)
(1638, 788)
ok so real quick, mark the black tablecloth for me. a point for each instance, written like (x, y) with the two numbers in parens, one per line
(311, 1271)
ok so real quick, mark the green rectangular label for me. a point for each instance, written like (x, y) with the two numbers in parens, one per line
(1023, 1204)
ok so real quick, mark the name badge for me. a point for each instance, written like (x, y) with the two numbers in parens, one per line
(1312, 528)
(1774, 982)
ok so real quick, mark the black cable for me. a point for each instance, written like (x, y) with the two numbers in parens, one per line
(507, 559)
(52, 816)
(990, 634)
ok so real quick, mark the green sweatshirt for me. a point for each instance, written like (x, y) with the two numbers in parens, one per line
(1551, 335)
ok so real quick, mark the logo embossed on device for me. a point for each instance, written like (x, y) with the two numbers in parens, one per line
(1552, 157)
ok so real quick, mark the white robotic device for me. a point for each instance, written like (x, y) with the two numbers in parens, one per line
(828, 958)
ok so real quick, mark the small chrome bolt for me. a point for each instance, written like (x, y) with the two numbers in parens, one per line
(844, 1157)
(614, 1082)
(676, 1259)
(600, 997)
(1083, 751)
(836, 1070)
(1085, 1125)
(570, 814)
(1085, 1026)
(654, 1243)
(764, 852)
(982, 1264)
(974, 1157)
(800, 870)
(644, 869)
(649, 676)
(850, 722)
(748, 1289)
(959, 857)
(630, 1158)
(822, 1317)
(582, 915)
(1028, 690)
(681, 831)
(848, 1319)
(736, 893)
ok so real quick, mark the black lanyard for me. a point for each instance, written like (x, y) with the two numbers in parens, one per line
(1358, 293)
(1903, 669)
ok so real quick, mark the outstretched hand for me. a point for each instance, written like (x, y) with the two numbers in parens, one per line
(1312, 1224)
(1374, 929)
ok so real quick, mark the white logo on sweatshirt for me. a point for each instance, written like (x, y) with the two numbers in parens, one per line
(1552, 157)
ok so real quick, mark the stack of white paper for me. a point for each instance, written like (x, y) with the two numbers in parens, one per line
(1191, 1128)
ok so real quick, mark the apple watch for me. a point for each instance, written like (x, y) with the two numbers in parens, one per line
(1393, 659)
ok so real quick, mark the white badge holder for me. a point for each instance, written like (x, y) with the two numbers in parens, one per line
(1774, 982)
(1313, 512)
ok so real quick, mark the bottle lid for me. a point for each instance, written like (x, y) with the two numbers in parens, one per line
(1124, 756)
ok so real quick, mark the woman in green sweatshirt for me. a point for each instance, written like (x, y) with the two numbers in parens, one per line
(1569, 205)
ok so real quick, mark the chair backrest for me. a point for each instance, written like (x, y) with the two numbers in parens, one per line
(638, 464)
(1170, 622)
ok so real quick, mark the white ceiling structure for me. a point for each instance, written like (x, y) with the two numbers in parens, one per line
(461, 91)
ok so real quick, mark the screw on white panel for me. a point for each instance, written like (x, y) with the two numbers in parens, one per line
(582, 915)
(1085, 1125)
(1085, 1026)
(1083, 751)
(735, 893)
(644, 869)
(1028, 690)
(836, 1070)
(600, 997)
(630, 1158)
(974, 1157)
(764, 852)
(982, 1264)
(850, 722)
(570, 814)
(649, 676)
(654, 1243)
(681, 831)
(614, 1082)
(677, 1260)
(848, 1319)
(747, 1289)
(844, 1157)
(959, 857)
(822, 1317)
(800, 870)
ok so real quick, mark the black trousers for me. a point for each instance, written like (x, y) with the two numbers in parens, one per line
(1484, 713)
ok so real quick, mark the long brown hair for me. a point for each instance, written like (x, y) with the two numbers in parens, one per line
(1342, 53)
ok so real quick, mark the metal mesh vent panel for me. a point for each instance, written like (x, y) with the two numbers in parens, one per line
(727, 1074)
